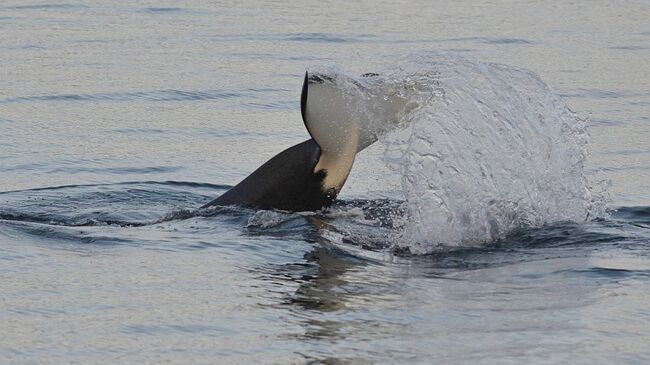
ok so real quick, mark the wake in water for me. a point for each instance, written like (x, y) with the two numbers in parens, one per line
(482, 150)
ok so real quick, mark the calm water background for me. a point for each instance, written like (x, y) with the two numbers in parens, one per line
(113, 115)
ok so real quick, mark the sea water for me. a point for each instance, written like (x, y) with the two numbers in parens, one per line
(503, 217)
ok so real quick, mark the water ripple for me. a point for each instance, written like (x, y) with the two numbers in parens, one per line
(119, 170)
(628, 48)
(162, 10)
(159, 95)
(603, 94)
(168, 183)
(495, 40)
(297, 37)
(327, 37)
(613, 273)
(47, 6)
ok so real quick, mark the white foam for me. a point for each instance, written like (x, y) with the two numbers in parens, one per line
(268, 218)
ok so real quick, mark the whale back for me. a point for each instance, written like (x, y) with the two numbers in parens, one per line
(285, 182)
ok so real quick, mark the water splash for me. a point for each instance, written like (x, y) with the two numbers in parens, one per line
(482, 150)
(492, 151)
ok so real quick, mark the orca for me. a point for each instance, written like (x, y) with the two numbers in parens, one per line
(310, 175)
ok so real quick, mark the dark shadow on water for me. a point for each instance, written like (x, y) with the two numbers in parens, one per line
(325, 296)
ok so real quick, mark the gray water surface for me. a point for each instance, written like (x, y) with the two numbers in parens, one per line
(115, 116)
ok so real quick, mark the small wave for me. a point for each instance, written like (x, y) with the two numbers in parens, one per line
(162, 10)
(58, 221)
(217, 132)
(276, 56)
(117, 204)
(493, 40)
(594, 94)
(148, 131)
(182, 214)
(47, 6)
(611, 273)
(59, 233)
(170, 183)
(637, 215)
(18, 217)
(160, 95)
(628, 48)
(327, 37)
(278, 105)
(118, 170)
(314, 37)
(21, 46)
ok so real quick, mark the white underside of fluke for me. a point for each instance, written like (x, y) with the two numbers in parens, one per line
(344, 116)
